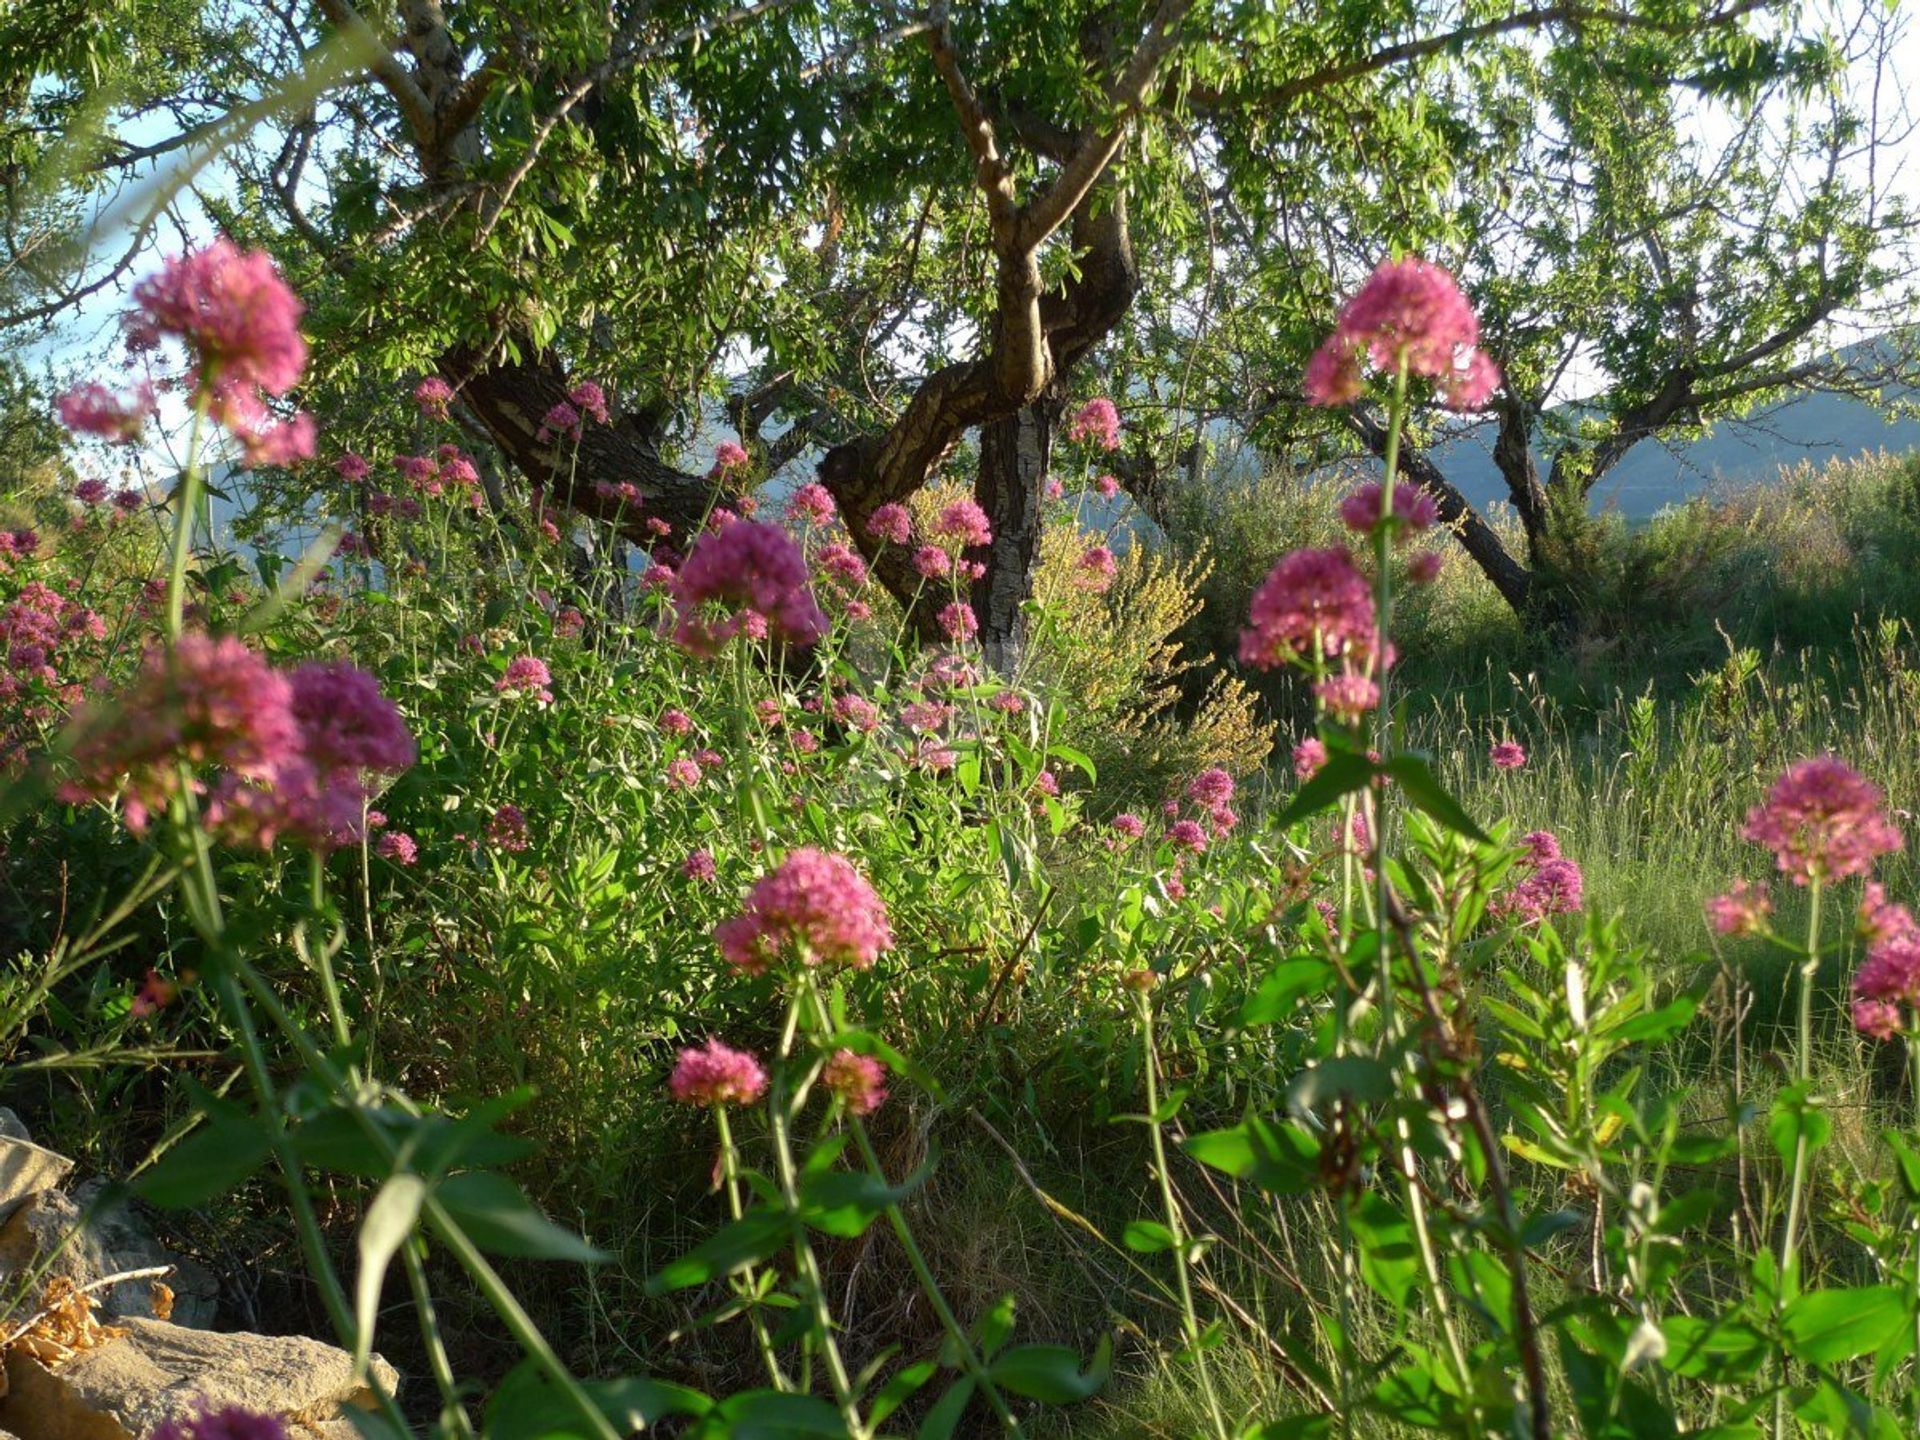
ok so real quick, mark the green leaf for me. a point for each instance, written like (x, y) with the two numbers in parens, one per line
(901, 1386)
(1076, 758)
(1795, 1115)
(1669, 1019)
(1280, 1159)
(499, 1219)
(1343, 773)
(1826, 1326)
(1051, 1374)
(1356, 1077)
(753, 1237)
(994, 1326)
(1286, 985)
(528, 1406)
(772, 1415)
(844, 1203)
(945, 1415)
(1149, 1237)
(390, 1220)
(1416, 780)
(221, 1155)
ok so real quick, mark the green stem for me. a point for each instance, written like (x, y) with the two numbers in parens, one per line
(729, 1165)
(803, 1255)
(970, 1360)
(519, 1324)
(1788, 1279)
(187, 498)
(322, 955)
(1383, 627)
(1913, 1056)
(451, 1410)
(1174, 1225)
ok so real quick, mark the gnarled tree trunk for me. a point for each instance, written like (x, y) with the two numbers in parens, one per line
(1015, 452)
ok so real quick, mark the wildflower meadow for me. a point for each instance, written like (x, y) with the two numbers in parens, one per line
(860, 916)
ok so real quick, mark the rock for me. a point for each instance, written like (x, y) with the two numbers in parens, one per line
(26, 1169)
(124, 1388)
(130, 1245)
(40, 1227)
(13, 1128)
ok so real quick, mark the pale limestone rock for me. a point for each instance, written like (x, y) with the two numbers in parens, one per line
(110, 1243)
(126, 1387)
(26, 1169)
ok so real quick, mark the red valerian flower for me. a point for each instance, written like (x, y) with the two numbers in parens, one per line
(229, 1422)
(92, 409)
(1822, 821)
(814, 906)
(1412, 310)
(964, 522)
(859, 1080)
(1742, 911)
(242, 322)
(716, 1074)
(1097, 422)
(1311, 598)
(890, 523)
(749, 578)
(433, 395)
(1413, 509)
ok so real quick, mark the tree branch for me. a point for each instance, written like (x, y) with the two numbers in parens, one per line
(1128, 93)
(384, 66)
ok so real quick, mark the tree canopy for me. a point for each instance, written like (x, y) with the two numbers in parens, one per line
(875, 232)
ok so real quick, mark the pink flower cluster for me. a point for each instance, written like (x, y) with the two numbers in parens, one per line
(229, 1422)
(1549, 884)
(242, 323)
(1096, 422)
(1413, 510)
(92, 409)
(812, 505)
(859, 1080)
(1822, 821)
(717, 1074)
(729, 458)
(964, 524)
(1094, 571)
(507, 829)
(526, 675)
(957, 621)
(814, 907)
(755, 578)
(433, 395)
(1408, 310)
(890, 523)
(1887, 985)
(1312, 602)
(1742, 911)
(38, 629)
(1506, 755)
(293, 750)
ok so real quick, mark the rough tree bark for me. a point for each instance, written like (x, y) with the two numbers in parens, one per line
(1033, 337)
(1512, 579)
(1015, 451)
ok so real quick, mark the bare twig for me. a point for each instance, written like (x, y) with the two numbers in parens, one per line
(151, 1272)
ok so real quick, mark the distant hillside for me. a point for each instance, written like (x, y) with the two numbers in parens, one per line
(1814, 427)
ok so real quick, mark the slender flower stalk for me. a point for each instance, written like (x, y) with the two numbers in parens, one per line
(1176, 1226)
(1789, 1278)
(730, 1170)
(969, 1355)
(187, 500)
(780, 1109)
